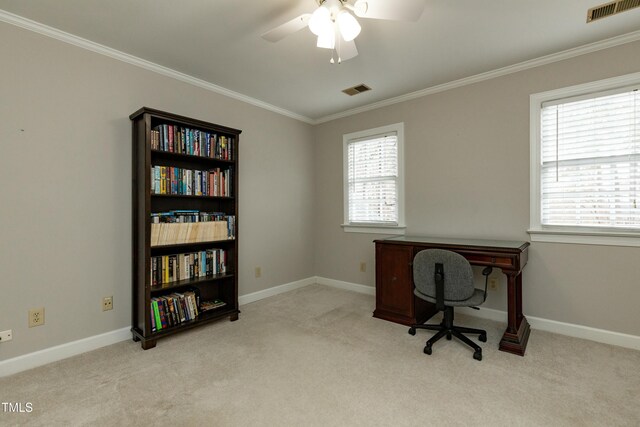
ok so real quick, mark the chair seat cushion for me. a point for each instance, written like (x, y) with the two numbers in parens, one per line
(476, 299)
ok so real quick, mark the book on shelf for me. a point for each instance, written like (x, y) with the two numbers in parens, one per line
(210, 305)
(172, 180)
(173, 309)
(176, 139)
(183, 233)
(168, 269)
(190, 226)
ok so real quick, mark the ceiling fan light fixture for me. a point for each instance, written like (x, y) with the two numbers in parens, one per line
(320, 22)
(336, 22)
(360, 7)
(327, 40)
(348, 25)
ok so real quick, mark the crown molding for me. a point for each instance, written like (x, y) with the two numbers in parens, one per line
(54, 33)
(63, 36)
(543, 60)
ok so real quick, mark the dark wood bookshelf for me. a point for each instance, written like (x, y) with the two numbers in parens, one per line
(219, 286)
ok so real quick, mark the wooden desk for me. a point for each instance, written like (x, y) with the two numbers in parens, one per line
(396, 302)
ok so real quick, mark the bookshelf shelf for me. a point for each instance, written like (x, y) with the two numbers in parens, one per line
(190, 196)
(181, 245)
(166, 158)
(207, 280)
(159, 154)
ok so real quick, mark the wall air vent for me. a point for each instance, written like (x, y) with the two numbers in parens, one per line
(359, 88)
(611, 8)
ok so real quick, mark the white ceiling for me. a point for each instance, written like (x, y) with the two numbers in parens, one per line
(219, 42)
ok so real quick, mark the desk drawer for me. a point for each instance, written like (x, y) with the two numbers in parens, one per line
(496, 260)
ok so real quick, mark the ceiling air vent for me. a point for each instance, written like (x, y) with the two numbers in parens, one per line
(359, 88)
(611, 8)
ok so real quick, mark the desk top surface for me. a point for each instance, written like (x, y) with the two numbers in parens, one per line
(502, 244)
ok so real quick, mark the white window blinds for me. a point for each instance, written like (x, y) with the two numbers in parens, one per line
(372, 175)
(590, 161)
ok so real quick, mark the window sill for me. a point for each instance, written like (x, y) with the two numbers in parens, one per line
(585, 237)
(374, 229)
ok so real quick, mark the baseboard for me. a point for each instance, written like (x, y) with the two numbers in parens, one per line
(569, 329)
(355, 287)
(276, 290)
(585, 332)
(486, 313)
(62, 351)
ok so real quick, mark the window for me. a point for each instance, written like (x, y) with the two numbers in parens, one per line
(585, 171)
(374, 180)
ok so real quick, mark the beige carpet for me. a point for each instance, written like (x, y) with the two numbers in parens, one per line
(316, 357)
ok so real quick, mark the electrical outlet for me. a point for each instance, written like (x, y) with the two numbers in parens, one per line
(107, 303)
(363, 267)
(6, 336)
(493, 284)
(258, 272)
(36, 317)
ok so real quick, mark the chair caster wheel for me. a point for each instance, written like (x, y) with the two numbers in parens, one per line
(483, 337)
(449, 336)
(427, 349)
(477, 354)
(412, 331)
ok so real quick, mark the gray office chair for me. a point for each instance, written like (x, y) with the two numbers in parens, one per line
(446, 279)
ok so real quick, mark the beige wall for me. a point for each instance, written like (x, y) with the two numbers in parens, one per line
(467, 175)
(65, 186)
(65, 194)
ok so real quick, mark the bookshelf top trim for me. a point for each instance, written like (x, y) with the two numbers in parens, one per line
(182, 119)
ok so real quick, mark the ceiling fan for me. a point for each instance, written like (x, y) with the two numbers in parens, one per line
(336, 27)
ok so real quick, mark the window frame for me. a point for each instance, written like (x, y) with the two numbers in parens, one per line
(372, 227)
(566, 234)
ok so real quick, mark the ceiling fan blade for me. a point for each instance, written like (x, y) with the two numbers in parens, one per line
(281, 31)
(346, 50)
(398, 10)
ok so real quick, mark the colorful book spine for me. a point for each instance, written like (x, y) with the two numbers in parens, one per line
(175, 308)
(194, 142)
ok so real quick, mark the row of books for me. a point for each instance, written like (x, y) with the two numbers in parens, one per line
(171, 310)
(187, 215)
(172, 268)
(173, 180)
(175, 139)
(167, 233)
(176, 308)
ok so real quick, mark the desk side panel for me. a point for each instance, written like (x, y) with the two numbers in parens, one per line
(395, 300)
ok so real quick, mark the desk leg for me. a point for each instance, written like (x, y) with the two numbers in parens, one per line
(516, 336)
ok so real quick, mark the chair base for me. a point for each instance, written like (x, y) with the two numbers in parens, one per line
(449, 329)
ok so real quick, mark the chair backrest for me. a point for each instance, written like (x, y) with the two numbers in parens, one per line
(458, 275)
